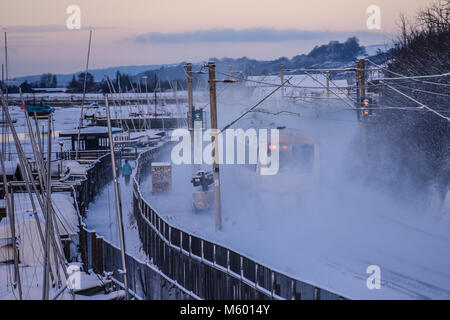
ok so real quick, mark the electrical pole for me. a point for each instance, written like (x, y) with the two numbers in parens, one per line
(190, 94)
(215, 142)
(358, 88)
(190, 111)
(361, 95)
(362, 65)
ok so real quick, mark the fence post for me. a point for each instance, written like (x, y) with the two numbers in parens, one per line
(201, 248)
(272, 276)
(292, 289)
(83, 249)
(94, 250)
(100, 256)
(256, 276)
(316, 293)
(190, 247)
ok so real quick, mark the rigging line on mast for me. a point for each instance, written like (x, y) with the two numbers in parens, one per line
(112, 91)
(118, 200)
(84, 95)
(122, 97)
(29, 179)
(348, 103)
(10, 214)
(137, 97)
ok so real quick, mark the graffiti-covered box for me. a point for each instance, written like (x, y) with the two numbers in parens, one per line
(161, 176)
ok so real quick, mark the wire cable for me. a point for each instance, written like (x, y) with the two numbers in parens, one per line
(418, 102)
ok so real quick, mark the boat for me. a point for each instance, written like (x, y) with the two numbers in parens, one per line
(40, 110)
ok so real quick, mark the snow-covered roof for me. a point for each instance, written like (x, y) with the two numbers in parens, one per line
(94, 130)
(10, 168)
(161, 164)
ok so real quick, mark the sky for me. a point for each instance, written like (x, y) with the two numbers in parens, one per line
(143, 32)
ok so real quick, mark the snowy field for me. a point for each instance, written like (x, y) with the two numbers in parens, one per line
(327, 238)
(330, 236)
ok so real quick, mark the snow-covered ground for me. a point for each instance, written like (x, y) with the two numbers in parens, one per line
(64, 119)
(102, 217)
(328, 237)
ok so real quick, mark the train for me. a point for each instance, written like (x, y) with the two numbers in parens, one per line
(298, 170)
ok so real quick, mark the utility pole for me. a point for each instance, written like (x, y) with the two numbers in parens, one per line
(362, 65)
(190, 121)
(190, 95)
(361, 95)
(215, 142)
(118, 201)
(358, 89)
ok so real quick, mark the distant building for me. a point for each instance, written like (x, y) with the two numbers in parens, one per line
(49, 90)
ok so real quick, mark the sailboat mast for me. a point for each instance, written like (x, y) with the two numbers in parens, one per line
(84, 95)
(10, 211)
(118, 202)
(48, 210)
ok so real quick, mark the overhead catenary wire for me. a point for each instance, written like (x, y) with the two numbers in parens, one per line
(255, 106)
(403, 77)
(346, 102)
(418, 102)
(422, 91)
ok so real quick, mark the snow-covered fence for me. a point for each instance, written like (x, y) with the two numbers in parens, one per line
(184, 266)
(145, 282)
(98, 175)
(207, 269)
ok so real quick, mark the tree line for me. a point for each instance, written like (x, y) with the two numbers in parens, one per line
(122, 82)
(416, 140)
